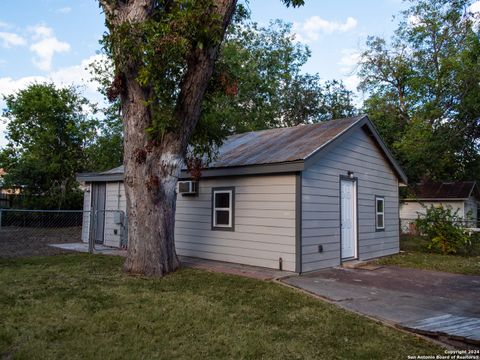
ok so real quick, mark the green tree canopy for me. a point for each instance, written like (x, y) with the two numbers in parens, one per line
(48, 130)
(424, 90)
(257, 84)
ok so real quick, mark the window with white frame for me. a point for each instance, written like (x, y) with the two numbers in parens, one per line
(223, 208)
(380, 212)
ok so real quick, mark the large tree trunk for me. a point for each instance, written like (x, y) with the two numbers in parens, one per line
(152, 166)
(151, 172)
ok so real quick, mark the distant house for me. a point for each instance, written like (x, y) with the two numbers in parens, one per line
(461, 196)
(6, 194)
(301, 198)
(10, 190)
(4, 200)
(2, 175)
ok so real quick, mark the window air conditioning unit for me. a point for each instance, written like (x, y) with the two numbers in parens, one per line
(187, 187)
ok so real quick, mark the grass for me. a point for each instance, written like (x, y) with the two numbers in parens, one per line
(416, 255)
(81, 306)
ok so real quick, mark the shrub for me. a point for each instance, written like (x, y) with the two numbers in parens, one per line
(445, 231)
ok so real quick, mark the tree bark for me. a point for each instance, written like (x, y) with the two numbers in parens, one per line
(152, 166)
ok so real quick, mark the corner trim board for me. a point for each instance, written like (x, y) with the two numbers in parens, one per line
(298, 223)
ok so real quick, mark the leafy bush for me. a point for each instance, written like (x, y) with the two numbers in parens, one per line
(445, 231)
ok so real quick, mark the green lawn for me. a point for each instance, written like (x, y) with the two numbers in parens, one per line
(416, 255)
(82, 306)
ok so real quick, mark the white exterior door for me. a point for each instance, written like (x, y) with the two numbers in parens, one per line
(348, 209)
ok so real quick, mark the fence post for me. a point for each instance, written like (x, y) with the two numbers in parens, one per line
(90, 232)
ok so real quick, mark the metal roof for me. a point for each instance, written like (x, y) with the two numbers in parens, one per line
(279, 145)
(274, 150)
(445, 191)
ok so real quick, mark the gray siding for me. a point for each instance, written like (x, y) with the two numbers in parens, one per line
(115, 200)
(87, 197)
(471, 211)
(321, 203)
(264, 222)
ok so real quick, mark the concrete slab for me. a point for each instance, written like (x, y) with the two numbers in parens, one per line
(401, 296)
(254, 272)
(83, 247)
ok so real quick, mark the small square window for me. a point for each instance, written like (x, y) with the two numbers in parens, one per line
(379, 213)
(223, 208)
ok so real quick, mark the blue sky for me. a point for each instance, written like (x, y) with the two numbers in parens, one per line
(56, 39)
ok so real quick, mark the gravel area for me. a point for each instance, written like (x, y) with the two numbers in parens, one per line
(21, 242)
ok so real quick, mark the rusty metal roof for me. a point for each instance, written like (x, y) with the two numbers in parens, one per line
(445, 190)
(279, 145)
(117, 170)
(273, 151)
(274, 145)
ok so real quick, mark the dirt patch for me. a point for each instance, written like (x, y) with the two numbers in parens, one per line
(21, 242)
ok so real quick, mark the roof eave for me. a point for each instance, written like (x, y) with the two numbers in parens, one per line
(261, 169)
(401, 174)
(473, 192)
(94, 177)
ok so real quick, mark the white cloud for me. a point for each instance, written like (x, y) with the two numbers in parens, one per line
(64, 10)
(45, 49)
(46, 46)
(349, 60)
(73, 75)
(351, 82)
(41, 32)
(311, 28)
(414, 20)
(9, 39)
(4, 25)
(348, 63)
(78, 75)
(9, 85)
(475, 7)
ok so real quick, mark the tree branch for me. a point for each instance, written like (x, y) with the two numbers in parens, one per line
(108, 7)
(200, 68)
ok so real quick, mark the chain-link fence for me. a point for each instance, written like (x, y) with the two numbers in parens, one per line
(31, 232)
(408, 226)
(4, 201)
(106, 227)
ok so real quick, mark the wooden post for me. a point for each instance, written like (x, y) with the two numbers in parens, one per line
(91, 241)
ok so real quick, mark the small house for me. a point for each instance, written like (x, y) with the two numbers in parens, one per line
(301, 199)
(462, 197)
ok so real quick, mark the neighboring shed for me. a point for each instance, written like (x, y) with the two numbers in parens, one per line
(306, 197)
(462, 197)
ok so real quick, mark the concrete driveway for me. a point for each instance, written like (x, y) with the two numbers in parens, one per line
(427, 302)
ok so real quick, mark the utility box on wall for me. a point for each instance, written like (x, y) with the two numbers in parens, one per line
(118, 217)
